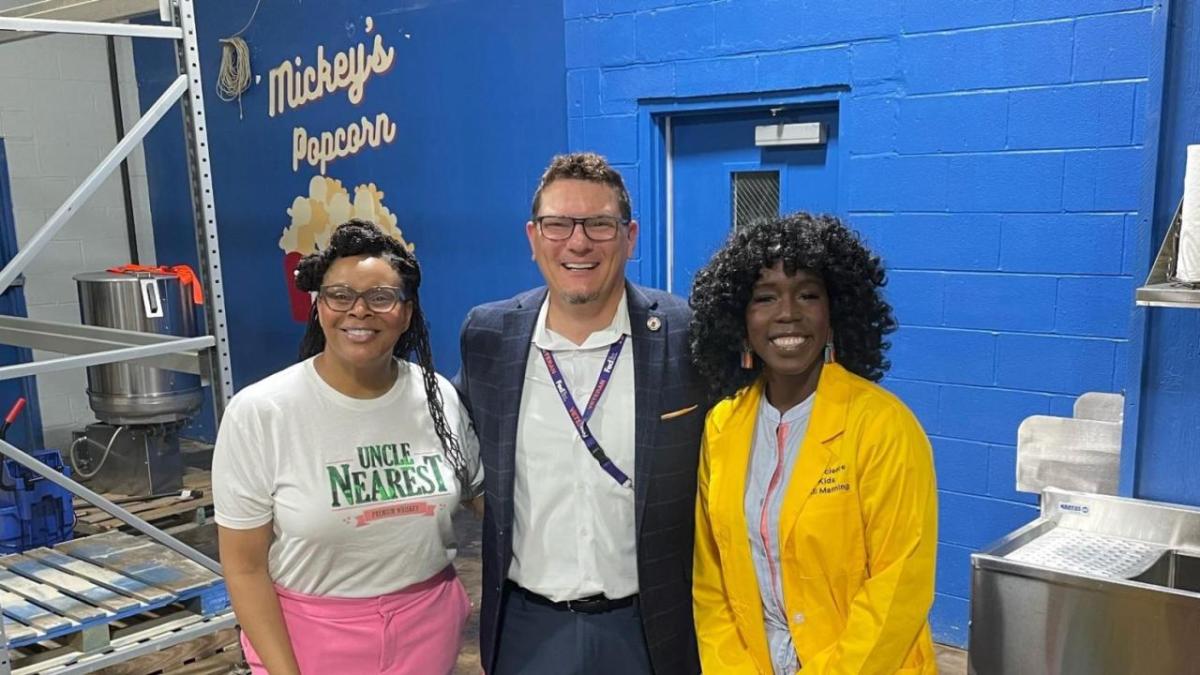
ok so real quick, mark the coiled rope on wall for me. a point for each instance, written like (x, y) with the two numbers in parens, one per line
(234, 75)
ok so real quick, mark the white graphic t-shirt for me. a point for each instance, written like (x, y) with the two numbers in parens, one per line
(359, 491)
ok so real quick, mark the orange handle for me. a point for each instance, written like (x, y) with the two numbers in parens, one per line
(186, 275)
(16, 410)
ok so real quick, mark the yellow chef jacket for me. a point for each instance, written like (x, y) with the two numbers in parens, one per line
(858, 537)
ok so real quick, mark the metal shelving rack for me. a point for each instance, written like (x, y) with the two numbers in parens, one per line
(1162, 289)
(207, 355)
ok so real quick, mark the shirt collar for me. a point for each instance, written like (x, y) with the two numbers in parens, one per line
(799, 411)
(544, 338)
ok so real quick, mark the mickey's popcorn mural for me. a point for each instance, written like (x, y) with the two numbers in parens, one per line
(328, 204)
(314, 217)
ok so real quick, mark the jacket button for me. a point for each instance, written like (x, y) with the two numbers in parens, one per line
(798, 618)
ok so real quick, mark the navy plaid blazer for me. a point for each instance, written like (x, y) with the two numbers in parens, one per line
(495, 342)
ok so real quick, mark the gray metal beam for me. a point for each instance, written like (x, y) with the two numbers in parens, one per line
(128, 338)
(50, 338)
(82, 10)
(29, 25)
(75, 10)
(100, 501)
(103, 357)
(90, 184)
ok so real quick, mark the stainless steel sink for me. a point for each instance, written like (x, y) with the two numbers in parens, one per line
(1174, 569)
(1096, 585)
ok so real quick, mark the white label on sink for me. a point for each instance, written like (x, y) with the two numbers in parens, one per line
(1078, 509)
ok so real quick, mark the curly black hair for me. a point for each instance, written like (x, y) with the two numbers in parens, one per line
(853, 277)
(361, 237)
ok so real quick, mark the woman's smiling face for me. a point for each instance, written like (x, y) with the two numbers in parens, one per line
(359, 336)
(788, 325)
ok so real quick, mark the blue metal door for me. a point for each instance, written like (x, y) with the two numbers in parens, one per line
(26, 431)
(720, 178)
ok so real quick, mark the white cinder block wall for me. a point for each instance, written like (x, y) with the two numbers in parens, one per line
(56, 118)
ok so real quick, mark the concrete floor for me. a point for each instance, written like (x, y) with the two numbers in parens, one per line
(951, 661)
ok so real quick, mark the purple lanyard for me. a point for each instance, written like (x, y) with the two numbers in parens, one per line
(581, 420)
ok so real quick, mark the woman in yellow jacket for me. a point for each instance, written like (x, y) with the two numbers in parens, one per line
(816, 523)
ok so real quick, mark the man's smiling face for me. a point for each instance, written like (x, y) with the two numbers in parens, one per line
(578, 270)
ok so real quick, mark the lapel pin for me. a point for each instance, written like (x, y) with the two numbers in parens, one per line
(654, 323)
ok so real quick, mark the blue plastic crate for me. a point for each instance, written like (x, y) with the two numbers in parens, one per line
(33, 511)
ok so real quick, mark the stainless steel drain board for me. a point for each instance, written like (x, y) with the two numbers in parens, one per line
(1087, 553)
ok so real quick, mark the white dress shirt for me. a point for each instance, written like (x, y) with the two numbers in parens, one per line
(573, 525)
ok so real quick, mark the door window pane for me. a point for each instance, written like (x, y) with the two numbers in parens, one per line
(755, 196)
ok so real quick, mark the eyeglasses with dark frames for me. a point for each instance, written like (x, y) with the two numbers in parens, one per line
(596, 228)
(381, 299)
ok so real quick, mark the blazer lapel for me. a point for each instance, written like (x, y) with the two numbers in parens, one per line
(517, 340)
(649, 360)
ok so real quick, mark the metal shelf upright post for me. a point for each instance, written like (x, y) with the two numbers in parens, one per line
(200, 171)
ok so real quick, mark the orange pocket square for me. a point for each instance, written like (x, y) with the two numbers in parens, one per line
(678, 413)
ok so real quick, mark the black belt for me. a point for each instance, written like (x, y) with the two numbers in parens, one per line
(593, 604)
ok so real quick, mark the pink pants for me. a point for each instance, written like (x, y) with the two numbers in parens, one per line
(414, 631)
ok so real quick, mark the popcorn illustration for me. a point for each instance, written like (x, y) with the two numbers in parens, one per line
(314, 219)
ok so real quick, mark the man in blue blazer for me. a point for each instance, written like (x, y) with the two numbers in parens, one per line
(589, 417)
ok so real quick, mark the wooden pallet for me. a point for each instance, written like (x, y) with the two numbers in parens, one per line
(216, 653)
(89, 595)
(153, 637)
(160, 511)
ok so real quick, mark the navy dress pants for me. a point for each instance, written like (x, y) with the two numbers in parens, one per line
(536, 639)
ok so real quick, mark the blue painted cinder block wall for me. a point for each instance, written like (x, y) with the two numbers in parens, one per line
(993, 157)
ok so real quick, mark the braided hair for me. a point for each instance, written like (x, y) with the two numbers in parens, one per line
(361, 237)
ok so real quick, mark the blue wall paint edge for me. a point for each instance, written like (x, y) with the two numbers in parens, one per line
(653, 211)
(1146, 249)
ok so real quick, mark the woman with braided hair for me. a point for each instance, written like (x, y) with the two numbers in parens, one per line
(335, 480)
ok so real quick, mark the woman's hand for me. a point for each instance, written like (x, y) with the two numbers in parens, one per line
(475, 505)
(252, 592)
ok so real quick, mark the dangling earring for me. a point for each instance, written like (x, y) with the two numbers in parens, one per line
(830, 355)
(747, 358)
